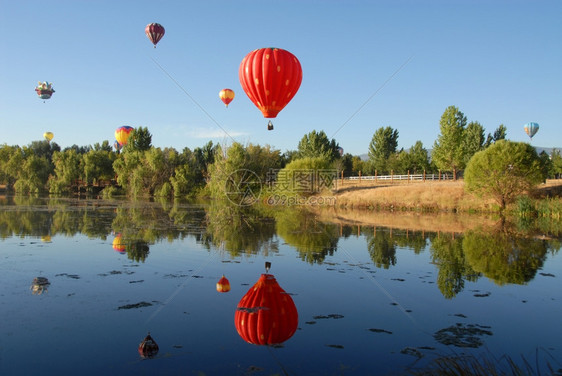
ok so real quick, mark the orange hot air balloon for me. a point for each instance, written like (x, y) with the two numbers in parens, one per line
(266, 315)
(154, 32)
(122, 134)
(226, 95)
(223, 285)
(270, 77)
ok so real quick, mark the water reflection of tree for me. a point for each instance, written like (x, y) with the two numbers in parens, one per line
(382, 243)
(381, 247)
(239, 229)
(453, 269)
(137, 250)
(313, 240)
(503, 257)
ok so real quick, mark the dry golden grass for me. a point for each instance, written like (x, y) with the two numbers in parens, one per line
(421, 196)
(420, 206)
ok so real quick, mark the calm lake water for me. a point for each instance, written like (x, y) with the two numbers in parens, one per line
(84, 281)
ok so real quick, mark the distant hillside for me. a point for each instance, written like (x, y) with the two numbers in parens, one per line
(539, 149)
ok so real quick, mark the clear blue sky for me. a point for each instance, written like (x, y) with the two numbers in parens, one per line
(498, 61)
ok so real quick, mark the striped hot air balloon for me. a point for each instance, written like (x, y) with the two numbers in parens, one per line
(154, 32)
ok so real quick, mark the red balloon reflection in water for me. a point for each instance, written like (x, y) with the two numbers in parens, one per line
(266, 315)
(223, 285)
(148, 347)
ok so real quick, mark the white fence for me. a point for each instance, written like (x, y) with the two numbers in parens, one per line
(422, 177)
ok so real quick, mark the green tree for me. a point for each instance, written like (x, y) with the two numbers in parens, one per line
(556, 164)
(67, 170)
(499, 134)
(305, 176)
(418, 159)
(140, 139)
(546, 164)
(11, 158)
(382, 146)
(316, 144)
(504, 171)
(97, 165)
(473, 140)
(357, 165)
(447, 150)
(33, 175)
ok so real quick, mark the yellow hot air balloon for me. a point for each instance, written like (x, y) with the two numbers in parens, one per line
(48, 136)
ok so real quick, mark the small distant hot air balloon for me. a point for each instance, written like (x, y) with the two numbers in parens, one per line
(270, 77)
(266, 315)
(154, 32)
(223, 285)
(44, 90)
(48, 136)
(226, 95)
(340, 151)
(122, 134)
(531, 129)
(148, 348)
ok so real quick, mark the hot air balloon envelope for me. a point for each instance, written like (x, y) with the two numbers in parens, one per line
(154, 32)
(48, 136)
(44, 90)
(531, 129)
(270, 77)
(122, 134)
(226, 95)
(266, 315)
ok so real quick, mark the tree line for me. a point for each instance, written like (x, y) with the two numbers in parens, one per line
(140, 169)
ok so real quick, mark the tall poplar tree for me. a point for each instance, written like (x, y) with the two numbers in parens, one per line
(448, 153)
(382, 146)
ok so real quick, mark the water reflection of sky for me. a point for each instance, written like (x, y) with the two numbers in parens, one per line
(354, 317)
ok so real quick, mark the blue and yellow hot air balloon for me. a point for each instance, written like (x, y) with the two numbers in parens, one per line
(531, 129)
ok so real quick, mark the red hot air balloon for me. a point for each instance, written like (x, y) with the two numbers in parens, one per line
(266, 315)
(154, 32)
(148, 348)
(226, 95)
(122, 134)
(270, 77)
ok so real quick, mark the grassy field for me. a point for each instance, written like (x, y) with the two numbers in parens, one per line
(441, 196)
(417, 206)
